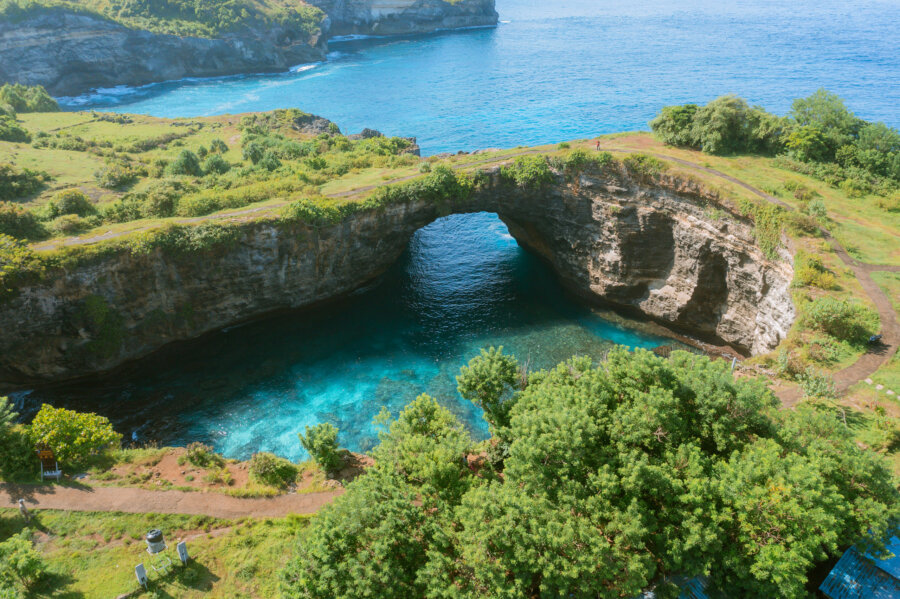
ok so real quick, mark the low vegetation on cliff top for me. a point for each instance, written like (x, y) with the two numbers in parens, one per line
(199, 18)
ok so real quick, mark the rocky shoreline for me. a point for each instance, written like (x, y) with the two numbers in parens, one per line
(71, 53)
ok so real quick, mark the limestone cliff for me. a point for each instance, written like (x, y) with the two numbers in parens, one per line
(400, 17)
(651, 246)
(70, 53)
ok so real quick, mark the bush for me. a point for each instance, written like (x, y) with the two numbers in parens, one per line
(529, 172)
(817, 210)
(10, 130)
(643, 165)
(17, 183)
(253, 152)
(269, 161)
(17, 457)
(186, 163)
(810, 271)
(272, 470)
(844, 320)
(73, 436)
(19, 222)
(215, 164)
(21, 566)
(71, 224)
(70, 201)
(321, 443)
(817, 384)
(217, 146)
(114, 175)
(27, 98)
(202, 456)
(674, 125)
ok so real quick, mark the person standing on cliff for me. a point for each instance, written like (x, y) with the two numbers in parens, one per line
(598, 145)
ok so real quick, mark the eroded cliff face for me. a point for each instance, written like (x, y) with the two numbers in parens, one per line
(399, 17)
(70, 53)
(651, 247)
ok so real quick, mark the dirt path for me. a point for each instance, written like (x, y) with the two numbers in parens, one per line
(137, 501)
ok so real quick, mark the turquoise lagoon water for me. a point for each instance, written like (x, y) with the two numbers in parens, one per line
(462, 284)
(570, 68)
(551, 71)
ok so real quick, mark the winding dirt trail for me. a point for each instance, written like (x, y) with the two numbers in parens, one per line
(138, 501)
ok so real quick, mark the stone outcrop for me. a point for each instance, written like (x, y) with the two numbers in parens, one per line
(70, 53)
(403, 17)
(650, 246)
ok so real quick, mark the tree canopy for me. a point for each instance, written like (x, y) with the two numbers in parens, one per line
(619, 477)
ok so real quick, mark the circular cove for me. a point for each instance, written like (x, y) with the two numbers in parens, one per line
(462, 284)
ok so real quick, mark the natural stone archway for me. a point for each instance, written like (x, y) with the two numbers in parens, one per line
(649, 246)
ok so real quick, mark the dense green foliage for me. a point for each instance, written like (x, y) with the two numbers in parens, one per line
(844, 320)
(528, 171)
(18, 222)
(820, 137)
(272, 470)
(73, 436)
(617, 478)
(321, 443)
(202, 18)
(27, 98)
(21, 566)
(10, 130)
(17, 183)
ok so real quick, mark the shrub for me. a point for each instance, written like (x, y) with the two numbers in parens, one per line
(18, 262)
(215, 164)
(203, 456)
(817, 210)
(528, 171)
(643, 165)
(269, 161)
(17, 183)
(817, 384)
(674, 125)
(19, 222)
(71, 224)
(272, 470)
(720, 126)
(114, 175)
(321, 443)
(890, 203)
(186, 163)
(27, 98)
(73, 436)
(10, 130)
(21, 566)
(17, 456)
(810, 271)
(854, 188)
(70, 201)
(842, 319)
(253, 152)
(217, 146)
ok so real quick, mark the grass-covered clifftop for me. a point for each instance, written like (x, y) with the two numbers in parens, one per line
(200, 18)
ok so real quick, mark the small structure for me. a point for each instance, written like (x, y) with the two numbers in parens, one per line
(49, 466)
(141, 573)
(181, 548)
(156, 546)
(862, 576)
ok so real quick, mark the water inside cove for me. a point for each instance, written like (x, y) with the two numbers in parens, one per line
(463, 284)
(561, 70)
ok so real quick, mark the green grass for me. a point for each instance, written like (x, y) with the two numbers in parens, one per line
(93, 555)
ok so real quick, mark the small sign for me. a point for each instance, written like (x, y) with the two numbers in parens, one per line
(141, 574)
(182, 552)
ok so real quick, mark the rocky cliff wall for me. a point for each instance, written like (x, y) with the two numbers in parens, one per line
(400, 17)
(70, 53)
(651, 247)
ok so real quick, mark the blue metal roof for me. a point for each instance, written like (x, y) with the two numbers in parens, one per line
(858, 576)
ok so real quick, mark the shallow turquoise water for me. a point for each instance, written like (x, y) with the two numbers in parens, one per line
(571, 68)
(463, 284)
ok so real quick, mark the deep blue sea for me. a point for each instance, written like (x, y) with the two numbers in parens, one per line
(551, 71)
(570, 68)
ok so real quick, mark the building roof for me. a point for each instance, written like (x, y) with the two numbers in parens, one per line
(858, 576)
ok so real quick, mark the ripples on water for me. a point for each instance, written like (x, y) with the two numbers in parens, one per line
(463, 284)
(571, 68)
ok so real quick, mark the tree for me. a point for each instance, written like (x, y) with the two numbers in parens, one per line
(807, 143)
(490, 381)
(72, 435)
(20, 565)
(186, 163)
(619, 477)
(826, 112)
(321, 443)
(720, 127)
(253, 152)
(7, 416)
(674, 125)
(216, 164)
